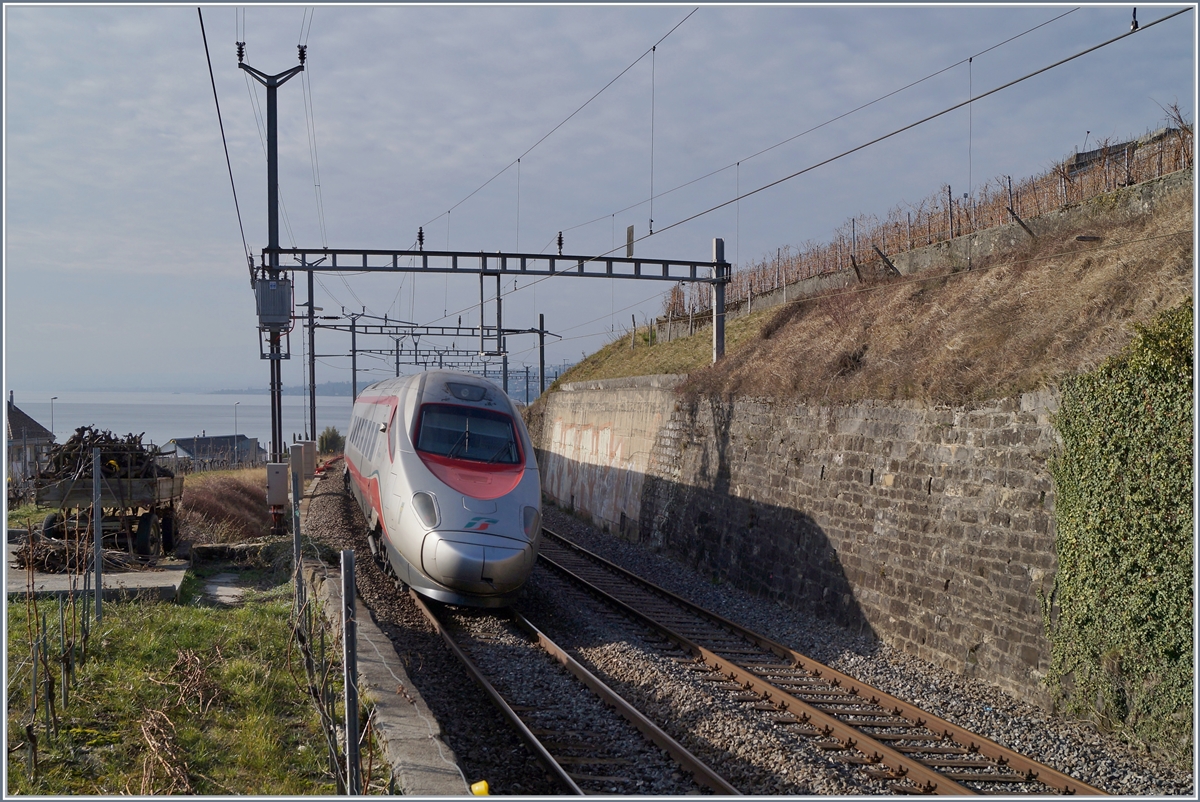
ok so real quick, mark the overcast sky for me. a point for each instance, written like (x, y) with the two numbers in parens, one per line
(124, 264)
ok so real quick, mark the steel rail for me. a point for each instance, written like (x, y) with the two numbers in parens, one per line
(700, 771)
(543, 755)
(1031, 769)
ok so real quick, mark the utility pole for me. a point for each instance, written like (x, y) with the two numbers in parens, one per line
(721, 274)
(354, 316)
(542, 351)
(271, 292)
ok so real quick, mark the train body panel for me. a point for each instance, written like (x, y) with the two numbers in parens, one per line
(443, 469)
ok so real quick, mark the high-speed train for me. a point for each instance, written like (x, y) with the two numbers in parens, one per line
(443, 468)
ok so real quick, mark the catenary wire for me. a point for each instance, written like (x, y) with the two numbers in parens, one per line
(827, 122)
(225, 144)
(862, 146)
(888, 135)
(567, 119)
(922, 121)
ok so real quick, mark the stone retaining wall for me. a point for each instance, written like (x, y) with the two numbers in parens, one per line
(931, 527)
(595, 446)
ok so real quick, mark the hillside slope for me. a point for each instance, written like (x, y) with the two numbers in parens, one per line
(1055, 306)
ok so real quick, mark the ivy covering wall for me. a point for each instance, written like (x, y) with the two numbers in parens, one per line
(1121, 619)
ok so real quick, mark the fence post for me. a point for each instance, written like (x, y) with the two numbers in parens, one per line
(350, 672)
(297, 467)
(62, 650)
(97, 532)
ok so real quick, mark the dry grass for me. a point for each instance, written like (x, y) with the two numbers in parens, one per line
(1015, 322)
(225, 506)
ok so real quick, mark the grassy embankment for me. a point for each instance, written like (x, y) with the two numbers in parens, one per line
(178, 698)
(1015, 322)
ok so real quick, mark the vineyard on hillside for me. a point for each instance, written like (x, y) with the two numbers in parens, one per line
(941, 217)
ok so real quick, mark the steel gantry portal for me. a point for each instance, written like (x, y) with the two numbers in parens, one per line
(334, 260)
(274, 291)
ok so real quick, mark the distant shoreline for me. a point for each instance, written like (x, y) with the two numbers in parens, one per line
(335, 389)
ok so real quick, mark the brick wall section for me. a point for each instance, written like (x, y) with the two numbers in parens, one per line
(933, 527)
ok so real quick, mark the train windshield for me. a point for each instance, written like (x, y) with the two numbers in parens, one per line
(467, 433)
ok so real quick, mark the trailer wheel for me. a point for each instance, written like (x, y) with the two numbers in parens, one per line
(53, 527)
(167, 529)
(148, 538)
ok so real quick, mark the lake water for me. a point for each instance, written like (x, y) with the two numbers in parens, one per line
(167, 416)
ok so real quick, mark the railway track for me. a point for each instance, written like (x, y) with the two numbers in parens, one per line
(587, 742)
(886, 738)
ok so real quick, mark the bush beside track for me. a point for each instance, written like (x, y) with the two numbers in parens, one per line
(1121, 630)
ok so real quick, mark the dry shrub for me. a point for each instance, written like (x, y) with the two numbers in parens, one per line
(164, 770)
(225, 507)
(1013, 323)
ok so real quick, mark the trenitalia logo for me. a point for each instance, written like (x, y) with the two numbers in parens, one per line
(479, 523)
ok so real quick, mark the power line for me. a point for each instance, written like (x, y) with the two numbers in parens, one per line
(922, 121)
(225, 144)
(830, 121)
(740, 196)
(902, 129)
(567, 119)
(310, 127)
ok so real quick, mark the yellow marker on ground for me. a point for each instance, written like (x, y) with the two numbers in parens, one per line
(480, 788)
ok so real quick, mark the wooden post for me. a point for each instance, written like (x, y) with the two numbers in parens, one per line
(350, 672)
(97, 532)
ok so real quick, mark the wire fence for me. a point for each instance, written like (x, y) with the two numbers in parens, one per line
(321, 660)
(942, 216)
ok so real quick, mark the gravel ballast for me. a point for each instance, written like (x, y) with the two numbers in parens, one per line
(743, 745)
(1070, 746)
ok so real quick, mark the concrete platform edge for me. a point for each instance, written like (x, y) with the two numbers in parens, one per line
(422, 763)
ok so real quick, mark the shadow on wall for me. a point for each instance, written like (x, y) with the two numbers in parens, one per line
(772, 552)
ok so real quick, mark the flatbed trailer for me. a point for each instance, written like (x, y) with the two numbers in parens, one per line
(137, 515)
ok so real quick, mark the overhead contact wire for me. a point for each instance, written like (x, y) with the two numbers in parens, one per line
(891, 134)
(569, 117)
(225, 144)
(922, 121)
(829, 121)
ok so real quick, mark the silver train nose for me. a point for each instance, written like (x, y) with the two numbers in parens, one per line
(476, 562)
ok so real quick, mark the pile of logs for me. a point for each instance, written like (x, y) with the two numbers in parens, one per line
(120, 457)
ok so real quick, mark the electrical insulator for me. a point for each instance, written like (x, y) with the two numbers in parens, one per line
(303, 49)
(560, 243)
(241, 46)
(421, 238)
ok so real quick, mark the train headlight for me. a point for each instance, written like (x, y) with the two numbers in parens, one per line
(533, 522)
(426, 507)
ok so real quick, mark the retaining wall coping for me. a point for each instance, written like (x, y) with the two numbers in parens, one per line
(664, 381)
